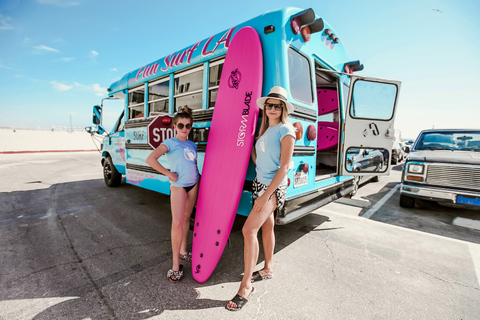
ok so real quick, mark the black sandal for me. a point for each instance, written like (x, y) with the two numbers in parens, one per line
(186, 257)
(239, 301)
(175, 276)
(256, 276)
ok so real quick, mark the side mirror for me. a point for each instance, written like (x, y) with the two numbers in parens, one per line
(95, 129)
(406, 149)
(97, 115)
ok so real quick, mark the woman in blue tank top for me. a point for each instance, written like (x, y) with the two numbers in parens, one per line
(272, 155)
(183, 175)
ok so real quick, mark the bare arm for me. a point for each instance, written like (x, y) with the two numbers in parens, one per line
(254, 155)
(287, 145)
(152, 161)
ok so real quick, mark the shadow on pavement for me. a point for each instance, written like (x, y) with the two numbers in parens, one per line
(81, 250)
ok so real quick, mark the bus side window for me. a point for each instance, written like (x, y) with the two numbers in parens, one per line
(158, 93)
(214, 81)
(188, 89)
(121, 123)
(136, 102)
(299, 73)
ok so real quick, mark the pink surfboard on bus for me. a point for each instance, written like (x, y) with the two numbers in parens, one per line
(228, 151)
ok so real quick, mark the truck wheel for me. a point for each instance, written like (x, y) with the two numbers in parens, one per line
(112, 177)
(406, 201)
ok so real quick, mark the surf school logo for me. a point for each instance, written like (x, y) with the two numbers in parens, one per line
(244, 120)
(234, 79)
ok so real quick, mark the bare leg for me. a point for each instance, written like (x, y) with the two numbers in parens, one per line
(190, 203)
(178, 197)
(250, 231)
(268, 237)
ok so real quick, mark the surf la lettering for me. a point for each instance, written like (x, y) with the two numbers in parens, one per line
(146, 71)
(225, 40)
(174, 60)
(244, 121)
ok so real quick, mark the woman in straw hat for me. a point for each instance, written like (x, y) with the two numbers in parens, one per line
(272, 155)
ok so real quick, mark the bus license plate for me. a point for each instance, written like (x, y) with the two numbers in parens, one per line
(300, 179)
(470, 201)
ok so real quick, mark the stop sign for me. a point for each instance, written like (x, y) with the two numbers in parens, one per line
(160, 129)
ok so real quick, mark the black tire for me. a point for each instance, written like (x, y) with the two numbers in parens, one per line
(112, 177)
(406, 201)
(356, 181)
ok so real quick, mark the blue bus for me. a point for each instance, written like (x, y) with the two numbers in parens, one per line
(341, 117)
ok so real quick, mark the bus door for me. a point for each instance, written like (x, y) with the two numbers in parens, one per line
(327, 124)
(117, 141)
(369, 126)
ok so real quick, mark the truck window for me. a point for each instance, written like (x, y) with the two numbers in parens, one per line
(136, 102)
(158, 93)
(214, 81)
(299, 74)
(188, 89)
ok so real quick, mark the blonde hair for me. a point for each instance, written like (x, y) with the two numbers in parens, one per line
(284, 119)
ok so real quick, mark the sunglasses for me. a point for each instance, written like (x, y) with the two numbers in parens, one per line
(277, 106)
(181, 125)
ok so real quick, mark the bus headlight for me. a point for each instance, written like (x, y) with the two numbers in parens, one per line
(415, 168)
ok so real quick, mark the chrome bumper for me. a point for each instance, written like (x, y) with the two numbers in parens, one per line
(436, 194)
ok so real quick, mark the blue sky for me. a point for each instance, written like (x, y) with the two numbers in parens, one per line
(58, 57)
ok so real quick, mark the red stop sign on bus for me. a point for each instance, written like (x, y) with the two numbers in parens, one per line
(160, 129)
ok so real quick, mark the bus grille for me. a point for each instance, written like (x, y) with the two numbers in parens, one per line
(454, 176)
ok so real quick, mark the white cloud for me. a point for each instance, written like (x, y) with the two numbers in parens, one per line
(60, 86)
(114, 69)
(99, 91)
(59, 3)
(42, 47)
(94, 53)
(66, 59)
(4, 25)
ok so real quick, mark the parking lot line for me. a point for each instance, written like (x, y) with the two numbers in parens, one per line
(475, 253)
(380, 203)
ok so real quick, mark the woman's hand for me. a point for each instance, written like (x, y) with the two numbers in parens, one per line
(260, 202)
(172, 176)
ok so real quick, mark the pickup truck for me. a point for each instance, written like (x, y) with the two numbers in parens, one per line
(443, 166)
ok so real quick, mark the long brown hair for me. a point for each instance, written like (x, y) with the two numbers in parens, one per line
(264, 125)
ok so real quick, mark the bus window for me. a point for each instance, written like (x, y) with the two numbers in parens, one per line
(214, 81)
(136, 100)
(300, 77)
(158, 96)
(188, 89)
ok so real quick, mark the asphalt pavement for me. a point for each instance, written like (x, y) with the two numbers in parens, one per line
(73, 248)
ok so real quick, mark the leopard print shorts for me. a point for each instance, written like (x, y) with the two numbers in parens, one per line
(259, 188)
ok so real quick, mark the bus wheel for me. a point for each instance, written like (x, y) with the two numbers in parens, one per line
(356, 181)
(112, 177)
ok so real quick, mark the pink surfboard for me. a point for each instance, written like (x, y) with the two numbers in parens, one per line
(327, 101)
(327, 138)
(228, 151)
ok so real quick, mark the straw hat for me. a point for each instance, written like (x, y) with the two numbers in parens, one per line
(276, 93)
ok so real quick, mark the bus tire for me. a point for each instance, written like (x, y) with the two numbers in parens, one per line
(406, 201)
(356, 182)
(112, 177)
